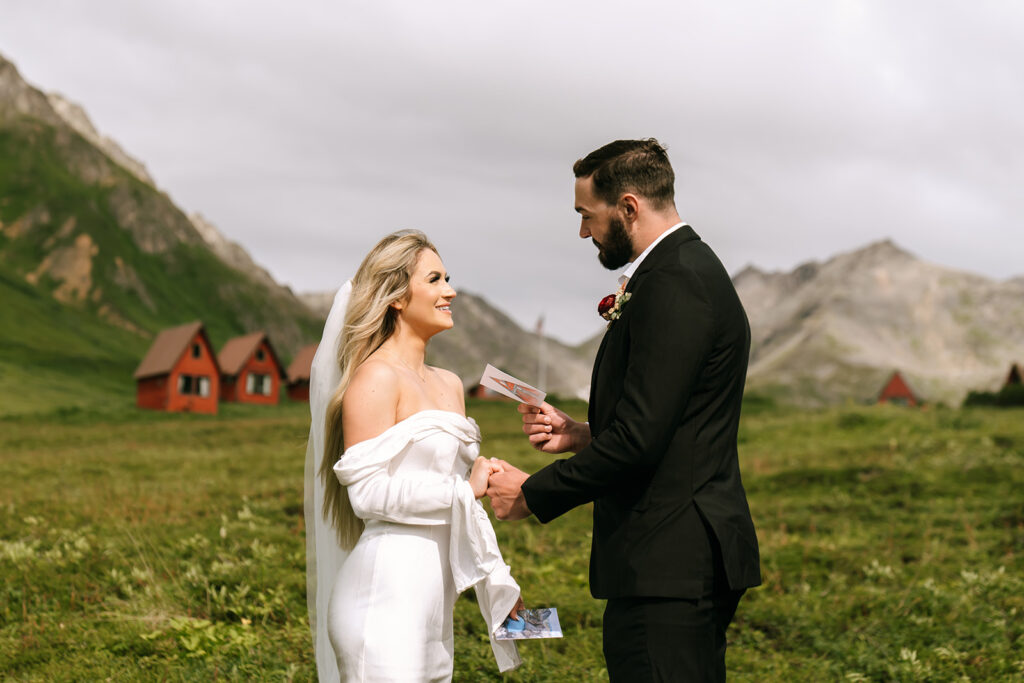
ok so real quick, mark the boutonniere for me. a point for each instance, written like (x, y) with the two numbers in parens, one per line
(610, 307)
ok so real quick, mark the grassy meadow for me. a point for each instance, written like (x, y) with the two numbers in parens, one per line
(145, 546)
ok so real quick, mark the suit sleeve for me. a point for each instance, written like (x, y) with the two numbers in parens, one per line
(671, 328)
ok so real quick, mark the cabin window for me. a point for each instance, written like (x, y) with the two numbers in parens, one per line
(197, 351)
(258, 385)
(260, 355)
(191, 385)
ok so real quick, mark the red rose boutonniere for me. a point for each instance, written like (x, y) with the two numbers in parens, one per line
(610, 307)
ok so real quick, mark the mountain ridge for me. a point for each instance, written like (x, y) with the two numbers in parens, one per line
(89, 245)
(842, 325)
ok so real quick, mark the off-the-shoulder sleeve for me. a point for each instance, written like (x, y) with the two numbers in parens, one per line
(378, 494)
(476, 561)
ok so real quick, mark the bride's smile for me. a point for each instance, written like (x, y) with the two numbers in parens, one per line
(428, 308)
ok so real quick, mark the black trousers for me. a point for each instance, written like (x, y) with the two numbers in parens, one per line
(672, 639)
(668, 639)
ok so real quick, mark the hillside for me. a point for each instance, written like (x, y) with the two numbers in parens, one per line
(94, 260)
(833, 331)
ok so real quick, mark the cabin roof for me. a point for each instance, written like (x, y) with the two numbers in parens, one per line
(302, 363)
(234, 355)
(167, 348)
(897, 385)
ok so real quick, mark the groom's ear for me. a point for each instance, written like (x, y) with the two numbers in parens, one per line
(629, 204)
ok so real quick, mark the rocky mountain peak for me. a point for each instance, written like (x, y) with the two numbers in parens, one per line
(18, 98)
(75, 116)
(881, 253)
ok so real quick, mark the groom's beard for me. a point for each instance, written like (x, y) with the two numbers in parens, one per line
(617, 248)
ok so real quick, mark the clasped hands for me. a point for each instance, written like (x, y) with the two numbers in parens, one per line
(550, 431)
(502, 483)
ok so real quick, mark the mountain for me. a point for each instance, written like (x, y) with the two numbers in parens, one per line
(94, 259)
(483, 334)
(833, 331)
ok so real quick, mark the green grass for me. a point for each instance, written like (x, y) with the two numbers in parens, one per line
(145, 546)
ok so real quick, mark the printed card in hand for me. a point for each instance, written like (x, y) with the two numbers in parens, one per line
(507, 385)
(541, 622)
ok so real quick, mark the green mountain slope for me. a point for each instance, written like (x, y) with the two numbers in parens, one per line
(94, 262)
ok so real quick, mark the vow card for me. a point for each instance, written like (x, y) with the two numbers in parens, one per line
(507, 385)
(541, 622)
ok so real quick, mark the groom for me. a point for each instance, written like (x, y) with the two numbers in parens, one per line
(673, 545)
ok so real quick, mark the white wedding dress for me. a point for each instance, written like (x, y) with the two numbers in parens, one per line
(426, 540)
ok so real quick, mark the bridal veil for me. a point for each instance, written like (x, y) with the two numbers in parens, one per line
(324, 555)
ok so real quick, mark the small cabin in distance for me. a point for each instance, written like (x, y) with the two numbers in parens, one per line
(250, 370)
(179, 372)
(298, 373)
(898, 392)
(1014, 378)
(487, 394)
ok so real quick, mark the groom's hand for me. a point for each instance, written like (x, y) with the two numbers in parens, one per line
(552, 431)
(505, 489)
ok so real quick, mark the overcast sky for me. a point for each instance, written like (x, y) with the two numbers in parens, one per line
(306, 130)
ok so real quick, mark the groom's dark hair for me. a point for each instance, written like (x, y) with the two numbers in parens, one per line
(637, 166)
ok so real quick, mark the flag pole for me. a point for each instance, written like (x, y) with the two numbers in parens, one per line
(542, 379)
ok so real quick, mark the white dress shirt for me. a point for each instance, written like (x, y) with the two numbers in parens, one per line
(628, 273)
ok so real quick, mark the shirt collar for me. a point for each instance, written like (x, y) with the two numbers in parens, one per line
(628, 273)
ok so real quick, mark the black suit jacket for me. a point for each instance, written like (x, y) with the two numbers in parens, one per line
(662, 466)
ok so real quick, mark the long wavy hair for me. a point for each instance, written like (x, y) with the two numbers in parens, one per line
(382, 279)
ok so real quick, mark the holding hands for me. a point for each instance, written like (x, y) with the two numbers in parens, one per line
(483, 468)
(502, 483)
(551, 431)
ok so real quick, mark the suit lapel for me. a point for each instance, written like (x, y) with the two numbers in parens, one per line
(660, 253)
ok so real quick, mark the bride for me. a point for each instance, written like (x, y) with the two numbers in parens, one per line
(394, 529)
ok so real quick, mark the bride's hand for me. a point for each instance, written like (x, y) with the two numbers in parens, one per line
(519, 606)
(482, 469)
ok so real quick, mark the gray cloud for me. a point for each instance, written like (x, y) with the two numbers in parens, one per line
(797, 129)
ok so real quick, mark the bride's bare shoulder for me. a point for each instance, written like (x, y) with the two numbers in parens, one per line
(371, 400)
(449, 377)
(373, 378)
(454, 384)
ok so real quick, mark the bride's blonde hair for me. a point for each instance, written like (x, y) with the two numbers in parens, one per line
(382, 279)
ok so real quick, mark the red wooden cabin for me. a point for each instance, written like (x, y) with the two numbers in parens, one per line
(179, 372)
(897, 391)
(250, 371)
(486, 393)
(298, 373)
